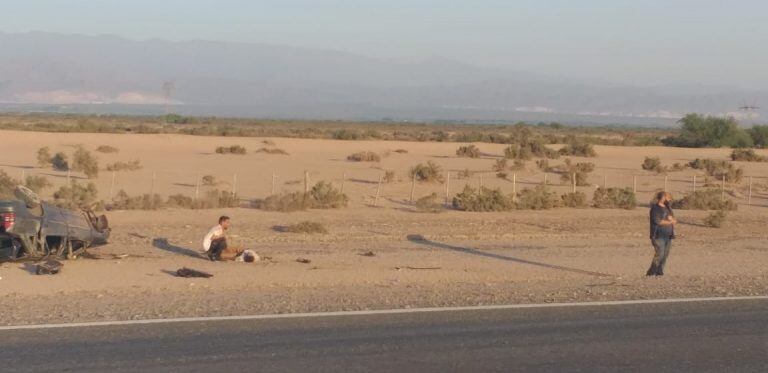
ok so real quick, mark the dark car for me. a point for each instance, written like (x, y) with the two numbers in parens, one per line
(30, 229)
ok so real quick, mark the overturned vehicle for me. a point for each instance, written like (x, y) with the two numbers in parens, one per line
(31, 229)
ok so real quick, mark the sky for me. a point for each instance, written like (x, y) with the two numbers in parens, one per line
(640, 42)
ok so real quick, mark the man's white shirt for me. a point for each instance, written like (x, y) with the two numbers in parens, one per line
(215, 232)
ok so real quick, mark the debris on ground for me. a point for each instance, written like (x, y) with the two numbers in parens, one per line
(368, 253)
(49, 267)
(189, 272)
(304, 260)
(417, 268)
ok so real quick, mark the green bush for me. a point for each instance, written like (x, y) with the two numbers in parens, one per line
(700, 131)
(326, 196)
(60, 162)
(481, 200)
(322, 196)
(705, 199)
(526, 149)
(430, 203)
(83, 161)
(538, 198)
(122, 201)
(429, 173)
(759, 135)
(575, 200)
(7, 186)
(581, 171)
(469, 151)
(715, 219)
(364, 157)
(613, 198)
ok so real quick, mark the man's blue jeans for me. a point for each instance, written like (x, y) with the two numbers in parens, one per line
(661, 245)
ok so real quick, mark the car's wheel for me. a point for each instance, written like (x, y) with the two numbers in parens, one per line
(30, 198)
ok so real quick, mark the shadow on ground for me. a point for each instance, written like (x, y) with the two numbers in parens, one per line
(163, 244)
(421, 240)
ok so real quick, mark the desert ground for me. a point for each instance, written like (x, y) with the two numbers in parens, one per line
(418, 259)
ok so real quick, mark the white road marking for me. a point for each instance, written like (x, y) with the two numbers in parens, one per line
(375, 312)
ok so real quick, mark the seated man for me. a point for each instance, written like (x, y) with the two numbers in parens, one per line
(215, 242)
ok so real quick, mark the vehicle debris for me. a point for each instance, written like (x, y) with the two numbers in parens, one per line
(49, 267)
(189, 272)
(31, 229)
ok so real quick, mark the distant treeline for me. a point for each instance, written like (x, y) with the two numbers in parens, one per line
(696, 131)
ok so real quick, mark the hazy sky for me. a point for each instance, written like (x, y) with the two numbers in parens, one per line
(640, 41)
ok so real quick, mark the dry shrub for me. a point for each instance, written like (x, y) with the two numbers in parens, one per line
(60, 162)
(364, 157)
(119, 166)
(273, 151)
(123, 201)
(233, 149)
(429, 173)
(322, 196)
(718, 169)
(44, 157)
(307, 227)
(500, 165)
(575, 199)
(705, 199)
(578, 149)
(430, 203)
(580, 169)
(517, 165)
(401, 151)
(653, 164)
(209, 180)
(715, 219)
(389, 176)
(7, 186)
(614, 198)
(268, 142)
(85, 162)
(543, 164)
(107, 149)
(747, 155)
(538, 198)
(527, 149)
(468, 151)
(76, 196)
(465, 174)
(37, 183)
(481, 200)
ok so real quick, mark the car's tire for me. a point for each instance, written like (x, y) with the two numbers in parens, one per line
(26, 195)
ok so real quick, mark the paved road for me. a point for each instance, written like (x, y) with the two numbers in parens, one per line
(723, 336)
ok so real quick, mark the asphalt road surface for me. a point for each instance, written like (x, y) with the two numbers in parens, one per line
(722, 336)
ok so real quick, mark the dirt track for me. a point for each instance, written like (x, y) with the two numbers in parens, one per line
(459, 259)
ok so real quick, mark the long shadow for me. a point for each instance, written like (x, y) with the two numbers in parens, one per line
(17, 166)
(418, 239)
(163, 244)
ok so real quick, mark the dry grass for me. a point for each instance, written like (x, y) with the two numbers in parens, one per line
(271, 151)
(428, 173)
(364, 157)
(430, 204)
(107, 149)
(233, 149)
(614, 198)
(468, 151)
(119, 166)
(306, 227)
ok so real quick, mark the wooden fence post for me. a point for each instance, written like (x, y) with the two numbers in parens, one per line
(112, 186)
(694, 183)
(481, 180)
(545, 179)
(413, 187)
(274, 179)
(378, 191)
(665, 182)
(634, 184)
(722, 189)
(234, 185)
(197, 187)
(69, 176)
(514, 186)
(343, 181)
(605, 181)
(573, 182)
(447, 188)
(749, 197)
(306, 182)
(154, 177)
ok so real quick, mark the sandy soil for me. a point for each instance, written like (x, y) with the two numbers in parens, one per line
(452, 258)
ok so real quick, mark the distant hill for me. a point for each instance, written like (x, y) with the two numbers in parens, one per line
(56, 72)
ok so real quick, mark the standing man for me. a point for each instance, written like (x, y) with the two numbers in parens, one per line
(662, 232)
(215, 242)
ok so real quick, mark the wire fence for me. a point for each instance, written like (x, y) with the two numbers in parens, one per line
(370, 187)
